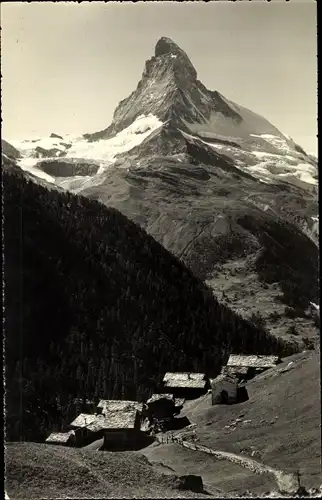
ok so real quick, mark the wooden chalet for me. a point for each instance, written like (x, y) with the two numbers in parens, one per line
(185, 385)
(247, 366)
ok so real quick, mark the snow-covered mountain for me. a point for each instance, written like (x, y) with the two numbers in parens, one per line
(170, 98)
(211, 180)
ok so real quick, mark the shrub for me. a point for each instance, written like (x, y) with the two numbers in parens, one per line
(308, 343)
(292, 330)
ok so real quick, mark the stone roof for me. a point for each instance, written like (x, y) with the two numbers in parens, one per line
(125, 419)
(252, 361)
(83, 420)
(185, 379)
(231, 370)
(118, 405)
(224, 376)
(158, 397)
(59, 437)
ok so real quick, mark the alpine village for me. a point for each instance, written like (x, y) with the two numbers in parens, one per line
(161, 289)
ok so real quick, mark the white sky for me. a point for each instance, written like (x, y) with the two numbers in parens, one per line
(65, 66)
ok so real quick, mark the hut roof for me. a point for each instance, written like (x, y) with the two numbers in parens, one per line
(179, 401)
(226, 377)
(59, 437)
(114, 420)
(185, 379)
(158, 397)
(83, 420)
(253, 361)
(230, 370)
(118, 405)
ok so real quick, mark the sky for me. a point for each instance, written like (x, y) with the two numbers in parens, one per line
(65, 66)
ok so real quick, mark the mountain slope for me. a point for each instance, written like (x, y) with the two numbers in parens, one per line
(279, 426)
(95, 306)
(36, 470)
(170, 90)
(215, 183)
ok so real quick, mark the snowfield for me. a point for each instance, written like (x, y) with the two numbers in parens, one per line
(277, 142)
(286, 167)
(268, 159)
(103, 151)
(107, 149)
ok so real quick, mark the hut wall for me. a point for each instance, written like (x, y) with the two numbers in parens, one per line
(123, 439)
(187, 392)
(224, 391)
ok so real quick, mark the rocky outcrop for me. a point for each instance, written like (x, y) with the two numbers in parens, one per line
(9, 150)
(56, 136)
(67, 168)
(48, 153)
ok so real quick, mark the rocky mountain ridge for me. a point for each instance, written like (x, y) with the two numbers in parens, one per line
(212, 181)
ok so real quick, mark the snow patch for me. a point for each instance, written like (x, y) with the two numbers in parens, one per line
(36, 171)
(107, 149)
(276, 141)
(102, 152)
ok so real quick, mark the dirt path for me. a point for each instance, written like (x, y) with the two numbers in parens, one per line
(286, 482)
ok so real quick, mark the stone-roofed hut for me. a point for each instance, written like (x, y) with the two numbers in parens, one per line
(80, 426)
(245, 367)
(224, 389)
(121, 429)
(160, 407)
(185, 385)
(62, 438)
(108, 405)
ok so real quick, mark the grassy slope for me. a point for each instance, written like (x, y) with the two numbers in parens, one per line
(36, 471)
(284, 414)
(219, 476)
(284, 430)
(246, 294)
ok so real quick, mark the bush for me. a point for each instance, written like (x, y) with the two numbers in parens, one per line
(290, 312)
(308, 343)
(257, 320)
(292, 330)
(274, 316)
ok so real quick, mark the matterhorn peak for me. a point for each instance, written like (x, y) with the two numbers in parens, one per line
(169, 90)
(167, 47)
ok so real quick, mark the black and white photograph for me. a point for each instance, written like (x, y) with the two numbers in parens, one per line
(160, 224)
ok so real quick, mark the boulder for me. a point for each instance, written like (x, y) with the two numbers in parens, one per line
(189, 482)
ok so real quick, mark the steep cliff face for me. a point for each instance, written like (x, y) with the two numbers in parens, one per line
(170, 90)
